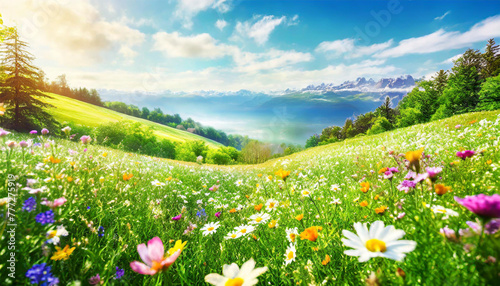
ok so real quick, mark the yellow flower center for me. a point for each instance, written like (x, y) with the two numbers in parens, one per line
(210, 228)
(375, 245)
(258, 219)
(233, 235)
(243, 230)
(290, 255)
(271, 205)
(234, 282)
(292, 237)
(52, 233)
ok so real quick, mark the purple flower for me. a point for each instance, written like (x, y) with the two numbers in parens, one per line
(420, 177)
(29, 204)
(433, 171)
(45, 131)
(94, 280)
(85, 139)
(394, 169)
(4, 133)
(482, 205)
(406, 185)
(217, 214)
(493, 226)
(465, 154)
(33, 132)
(23, 144)
(41, 274)
(388, 175)
(45, 218)
(401, 215)
(177, 217)
(448, 233)
(119, 273)
(100, 231)
(410, 175)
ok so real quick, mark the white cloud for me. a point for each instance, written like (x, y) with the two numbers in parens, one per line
(273, 59)
(196, 46)
(451, 60)
(442, 16)
(260, 27)
(348, 48)
(442, 40)
(187, 9)
(220, 24)
(70, 33)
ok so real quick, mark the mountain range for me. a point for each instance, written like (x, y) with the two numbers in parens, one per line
(288, 115)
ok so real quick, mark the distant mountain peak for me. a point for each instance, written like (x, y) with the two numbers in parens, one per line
(403, 82)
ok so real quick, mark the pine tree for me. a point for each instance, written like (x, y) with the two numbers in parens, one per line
(491, 57)
(19, 91)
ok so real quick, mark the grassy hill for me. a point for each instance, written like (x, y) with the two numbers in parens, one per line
(71, 110)
(117, 201)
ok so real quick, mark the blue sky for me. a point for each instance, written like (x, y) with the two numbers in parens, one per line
(189, 45)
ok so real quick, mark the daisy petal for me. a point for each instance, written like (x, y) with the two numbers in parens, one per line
(230, 270)
(215, 279)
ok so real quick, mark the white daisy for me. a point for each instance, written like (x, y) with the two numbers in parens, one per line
(336, 201)
(259, 218)
(233, 275)
(379, 241)
(271, 204)
(233, 235)
(442, 210)
(239, 183)
(157, 183)
(290, 254)
(210, 228)
(55, 235)
(244, 229)
(305, 193)
(335, 188)
(292, 234)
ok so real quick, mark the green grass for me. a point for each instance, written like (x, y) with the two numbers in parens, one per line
(71, 110)
(134, 211)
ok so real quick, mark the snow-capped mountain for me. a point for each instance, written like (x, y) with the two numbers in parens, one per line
(402, 83)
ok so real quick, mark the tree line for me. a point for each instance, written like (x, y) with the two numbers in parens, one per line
(472, 84)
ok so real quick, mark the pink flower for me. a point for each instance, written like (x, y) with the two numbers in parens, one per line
(11, 144)
(32, 132)
(458, 126)
(177, 217)
(433, 171)
(217, 214)
(214, 188)
(482, 205)
(23, 144)
(45, 131)
(85, 139)
(153, 257)
(59, 202)
(388, 175)
(465, 154)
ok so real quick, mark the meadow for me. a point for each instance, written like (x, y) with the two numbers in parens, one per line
(83, 212)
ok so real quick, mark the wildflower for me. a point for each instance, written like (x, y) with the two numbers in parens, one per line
(95, 280)
(448, 233)
(41, 274)
(383, 170)
(210, 228)
(290, 254)
(29, 204)
(441, 189)
(233, 210)
(23, 144)
(406, 185)
(54, 236)
(190, 228)
(379, 241)
(85, 139)
(154, 257)
(259, 218)
(465, 154)
(414, 158)
(214, 188)
(239, 183)
(273, 224)
(127, 177)
(283, 174)
(380, 210)
(258, 207)
(299, 217)
(233, 275)
(233, 235)
(177, 217)
(305, 193)
(45, 131)
(199, 159)
(66, 130)
(433, 172)
(487, 207)
(458, 126)
(401, 215)
(56, 203)
(310, 233)
(271, 205)
(388, 175)
(363, 203)
(62, 253)
(11, 144)
(365, 186)
(201, 213)
(336, 201)
(100, 231)
(244, 229)
(335, 188)
(437, 209)
(291, 234)
(45, 217)
(217, 214)
(326, 260)
(119, 273)
(4, 133)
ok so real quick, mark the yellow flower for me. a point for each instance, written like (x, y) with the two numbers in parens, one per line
(2, 109)
(258, 207)
(299, 217)
(104, 154)
(365, 186)
(310, 233)
(441, 189)
(363, 203)
(326, 260)
(272, 224)
(62, 253)
(259, 175)
(414, 158)
(179, 245)
(381, 209)
(70, 179)
(283, 174)
(127, 177)
(383, 170)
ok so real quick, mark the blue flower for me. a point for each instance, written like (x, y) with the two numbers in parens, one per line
(41, 274)
(119, 273)
(29, 204)
(201, 213)
(101, 231)
(45, 218)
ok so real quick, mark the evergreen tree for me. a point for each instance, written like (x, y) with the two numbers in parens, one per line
(491, 58)
(489, 96)
(386, 110)
(19, 90)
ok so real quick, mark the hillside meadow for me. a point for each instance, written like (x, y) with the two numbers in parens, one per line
(382, 210)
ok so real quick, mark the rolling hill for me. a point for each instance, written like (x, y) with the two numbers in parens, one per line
(71, 110)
